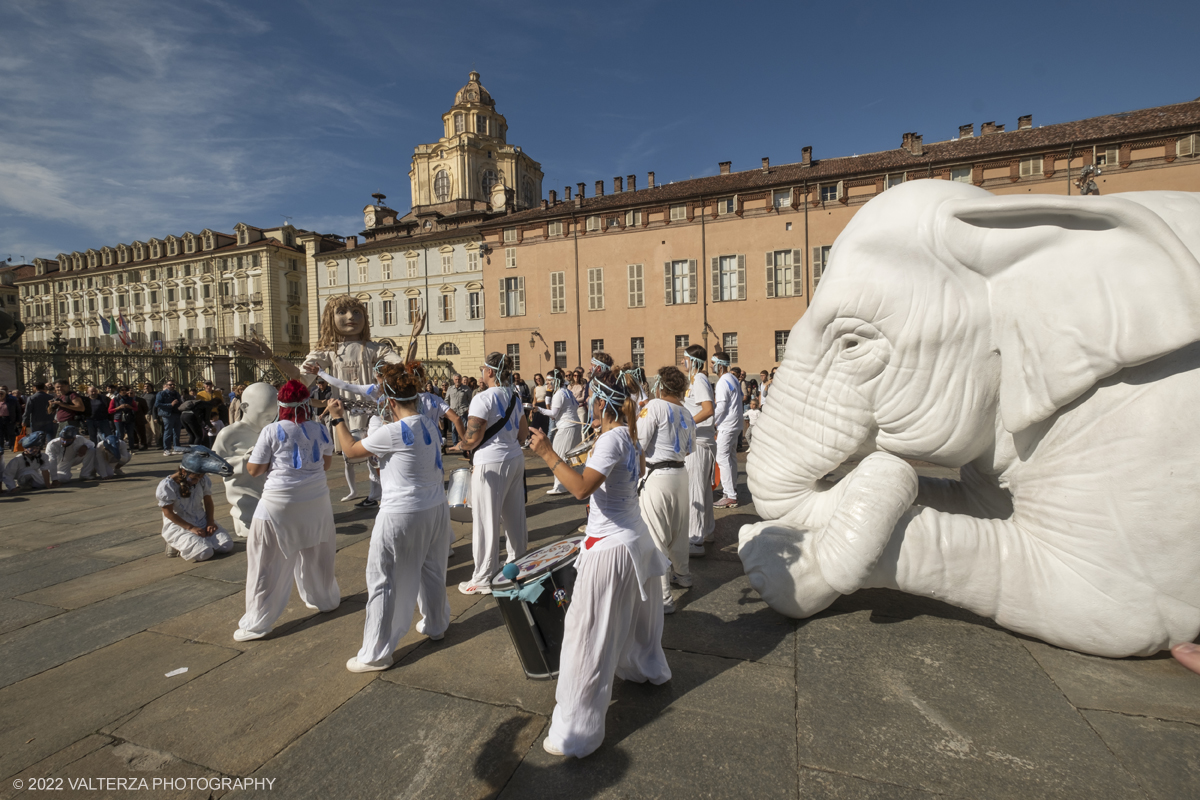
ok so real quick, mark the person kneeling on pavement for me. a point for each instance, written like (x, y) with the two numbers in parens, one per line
(69, 450)
(189, 525)
(111, 455)
(31, 468)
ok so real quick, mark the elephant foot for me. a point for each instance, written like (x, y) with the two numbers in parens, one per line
(779, 563)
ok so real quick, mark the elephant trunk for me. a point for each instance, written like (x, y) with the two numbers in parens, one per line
(809, 427)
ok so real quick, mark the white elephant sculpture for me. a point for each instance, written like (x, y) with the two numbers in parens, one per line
(1047, 347)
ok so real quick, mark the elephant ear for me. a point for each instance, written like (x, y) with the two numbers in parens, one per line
(1078, 288)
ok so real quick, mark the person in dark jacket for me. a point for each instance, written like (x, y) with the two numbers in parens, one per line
(123, 410)
(166, 407)
(97, 419)
(154, 431)
(38, 414)
(10, 418)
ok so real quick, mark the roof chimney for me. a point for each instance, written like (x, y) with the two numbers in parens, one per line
(545, 204)
(599, 188)
(766, 164)
(650, 179)
(966, 131)
(579, 191)
(618, 185)
(989, 127)
(912, 143)
(806, 156)
(724, 167)
(1025, 122)
(566, 193)
(554, 197)
(351, 242)
(631, 183)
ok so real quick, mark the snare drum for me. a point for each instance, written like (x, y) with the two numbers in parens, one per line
(537, 625)
(458, 494)
(577, 456)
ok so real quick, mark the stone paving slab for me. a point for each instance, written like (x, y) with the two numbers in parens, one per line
(944, 707)
(48, 766)
(100, 585)
(1164, 757)
(242, 714)
(215, 623)
(131, 551)
(55, 641)
(138, 766)
(1150, 687)
(48, 570)
(17, 614)
(831, 786)
(449, 748)
(50, 711)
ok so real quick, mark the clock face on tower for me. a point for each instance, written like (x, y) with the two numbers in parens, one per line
(370, 219)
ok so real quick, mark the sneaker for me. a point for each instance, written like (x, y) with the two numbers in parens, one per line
(245, 636)
(438, 638)
(349, 497)
(551, 749)
(368, 503)
(166, 453)
(354, 665)
(466, 587)
(178, 452)
(696, 550)
(582, 528)
(726, 502)
(681, 580)
(557, 491)
(669, 608)
(171, 551)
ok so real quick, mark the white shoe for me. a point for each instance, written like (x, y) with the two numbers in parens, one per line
(166, 453)
(669, 608)
(696, 550)
(354, 665)
(349, 497)
(681, 580)
(557, 491)
(245, 636)
(466, 587)
(551, 749)
(310, 606)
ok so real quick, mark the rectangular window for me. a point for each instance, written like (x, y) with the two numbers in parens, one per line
(137, 299)
(785, 273)
(389, 312)
(62, 306)
(560, 355)
(727, 205)
(475, 305)
(188, 293)
(558, 292)
(447, 263)
(385, 270)
(480, 123)
(512, 297)
(612, 222)
(895, 179)
(728, 278)
(678, 211)
(510, 258)
(446, 308)
(680, 281)
(91, 304)
(820, 258)
(514, 356)
(637, 351)
(510, 235)
(1031, 167)
(782, 198)
(555, 229)
(472, 261)
(254, 261)
(414, 309)
(363, 273)
(633, 218)
(637, 286)
(593, 223)
(104, 302)
(729, 345)
(596, 289)
(75, 306)
(961, 174)
(459, 124)
(153, 298)
(831, 192)
(331, 276)
(412, 268)
(681, 344)
(781, 338)
(597, 346)
(170, 295)
(169, 270)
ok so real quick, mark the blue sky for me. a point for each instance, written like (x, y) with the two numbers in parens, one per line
(126, 120)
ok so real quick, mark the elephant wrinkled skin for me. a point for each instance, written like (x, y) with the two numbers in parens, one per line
(1045, 346)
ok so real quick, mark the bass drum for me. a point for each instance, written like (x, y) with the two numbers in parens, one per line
(536, 620)
(458, 494)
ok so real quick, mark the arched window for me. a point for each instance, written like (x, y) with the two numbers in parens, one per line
(458, 123)
(488, 180)
(447, 349)
(441, 186)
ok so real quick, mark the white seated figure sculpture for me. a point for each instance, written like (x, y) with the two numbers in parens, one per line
(234, 444)
(1046, 346)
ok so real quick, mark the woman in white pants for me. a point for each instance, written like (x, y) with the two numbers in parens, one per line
(497, 472)
(292, 533)
(667, 435)
(564, 412)
(189, 516)
(406, 565)
(699, 403)
(615, 619)
(728, 421)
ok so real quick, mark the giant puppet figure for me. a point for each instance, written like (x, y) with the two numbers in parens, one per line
(345, 351)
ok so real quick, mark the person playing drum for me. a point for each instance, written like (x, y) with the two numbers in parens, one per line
(667, 436)
(406, 564)
(496, 426)
(699, 403)
(615, 620)
(566, 431)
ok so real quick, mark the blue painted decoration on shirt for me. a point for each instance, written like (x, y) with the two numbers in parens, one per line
(406, 433)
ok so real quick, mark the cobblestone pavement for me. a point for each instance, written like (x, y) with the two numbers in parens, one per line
(881, 696)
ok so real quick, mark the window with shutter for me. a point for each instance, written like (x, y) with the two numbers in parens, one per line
(637, 351)
(961, 174)
(520, 297)
(714, 269)
(558, 293)
(782, 274)
(693, 283)
(593, 223)
(1031, 167)
(510, 257)
(741, 276)
(1186, 145)
(447, 263)
(729, 279)
(770, 274)
(475, 304)
(510, 234)
(669, 280)
(556, 229)
(829, 192)
(782, 198)
(729, 343)
(678, 212)
(637, 294)
(412, 268)
(797, 273)
(820, 257)
(596, 289)
(503, 299)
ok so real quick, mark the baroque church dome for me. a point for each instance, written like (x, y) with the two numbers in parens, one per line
(474, 92)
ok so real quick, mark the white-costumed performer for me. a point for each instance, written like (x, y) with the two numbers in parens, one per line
(699, 403)
(563, 411)
(406, 564)
(185, 498)
(29, 469)
(497, 473)
(667, 436)
(345, 351)
(111, 455)
(615, 620)
(728, 420)
(293, 532)
(235, 442)
(368, 391)
(68, 451)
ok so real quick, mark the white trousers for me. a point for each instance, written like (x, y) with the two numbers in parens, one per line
(564, 439)
(497, 506)
(86, 464)
(665, 507)
(727, 442)
(196, 548)
(700, 474)
(610, 631)
(269, 576)
(106, 468)
(406, 568)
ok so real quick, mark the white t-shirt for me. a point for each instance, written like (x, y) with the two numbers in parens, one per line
(563, 409)
(489, 406)
(699, 392)
(727, 408)
(753, 415)
(296, 454)
(410, 464)
(433, 408)
(614, 506)
(190, 508)
(666, 431)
